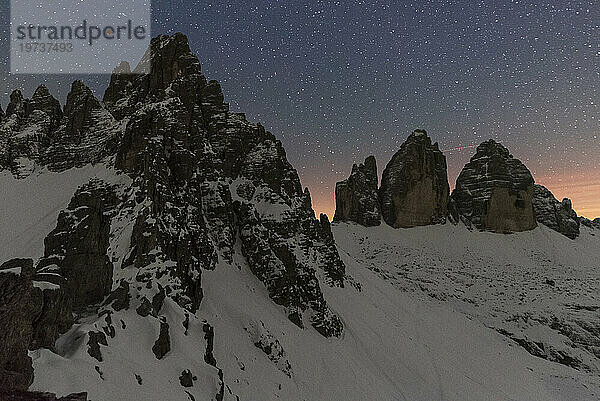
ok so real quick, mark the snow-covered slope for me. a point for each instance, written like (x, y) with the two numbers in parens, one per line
(174, 255)
(421, 322)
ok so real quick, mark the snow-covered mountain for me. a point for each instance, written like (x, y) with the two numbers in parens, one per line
(157, 246)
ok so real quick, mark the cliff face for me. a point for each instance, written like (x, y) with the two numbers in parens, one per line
(188, 187)
(414, 185)
(494, 192)
(558, 215)
(356, 197)
(414, 188)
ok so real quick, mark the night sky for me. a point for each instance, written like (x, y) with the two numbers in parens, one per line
(337, 81)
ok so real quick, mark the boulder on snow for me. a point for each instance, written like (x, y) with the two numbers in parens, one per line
(162, 345)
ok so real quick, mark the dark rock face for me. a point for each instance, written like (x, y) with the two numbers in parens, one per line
(593, 224)
(44, 102)
(559, 216)
(356, 197)
(183, 148)
(53, 317)
(36, 133)
(17, 104)
(87, 134)
(119, 298)
(414, 185)
(33, 313)
(209, 336)
(16, 317)
(494, 192)
(186, 379)
(95, 339)
(162, 345)
(7, 394)
(76, 248)
(80, 105)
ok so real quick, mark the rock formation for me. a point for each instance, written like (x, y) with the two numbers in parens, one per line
(494, 192)
(592, 224)
(42, 101)
(17, 395)
(559, 216)
(35, 132)
(16, 320)
(356, 197)
(33, 313)
(182, 146)
(414, 186)
(75, 251)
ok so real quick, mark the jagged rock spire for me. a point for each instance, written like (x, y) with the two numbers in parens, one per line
(356, 197)
(494, 191)
(414, 185)
(79, 106)
(16, 104)
(167, 59)
(43, 101)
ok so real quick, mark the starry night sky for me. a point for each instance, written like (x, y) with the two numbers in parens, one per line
(337, 81)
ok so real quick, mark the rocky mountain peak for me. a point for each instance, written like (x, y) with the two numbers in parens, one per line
(356, 197)
(170, 58)
(43, 101)
(414, 185)
(79, 107)
(494, 191)
(491, 148)
(16, 104)
(168, 63)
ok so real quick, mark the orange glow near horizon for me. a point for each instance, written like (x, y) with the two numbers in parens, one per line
(583, 190)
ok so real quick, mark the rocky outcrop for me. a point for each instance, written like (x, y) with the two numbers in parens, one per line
(33, 313)
(215, 179)
(75, 254)
(87, 134)
(17, 104)
(36, 132)
(414, 185)
(16, 320)
(42, 101)
(494, 192)
(162, 345)
(559, 216)
(356, 197)
(79, 109)
(53, 316)
(593, 224)
(7, 394)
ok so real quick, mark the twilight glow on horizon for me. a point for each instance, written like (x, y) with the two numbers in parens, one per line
(337, 81)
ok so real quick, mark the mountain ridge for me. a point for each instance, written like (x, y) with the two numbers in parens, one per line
(188, 263)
